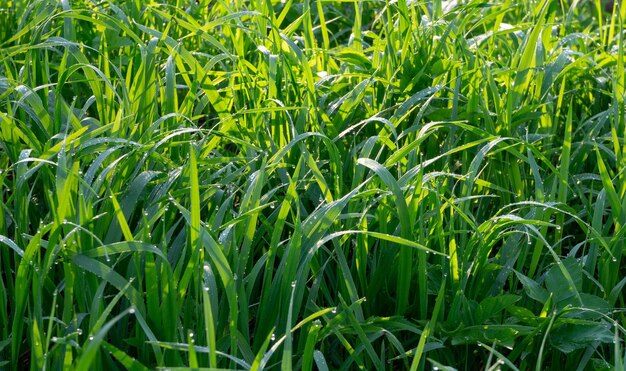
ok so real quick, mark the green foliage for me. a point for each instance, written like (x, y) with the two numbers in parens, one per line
(314, 184)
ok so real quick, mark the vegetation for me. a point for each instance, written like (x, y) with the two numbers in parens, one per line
(312, 184)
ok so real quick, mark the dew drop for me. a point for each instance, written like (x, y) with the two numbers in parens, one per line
(334, 311)
(79, 332)
(293, 283)
(131, 311)
(273, 337)
(54, 339)
(90, 338)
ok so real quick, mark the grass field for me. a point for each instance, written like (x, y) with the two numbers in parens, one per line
(312, 184)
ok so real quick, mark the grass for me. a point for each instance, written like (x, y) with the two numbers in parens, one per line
(299, 185)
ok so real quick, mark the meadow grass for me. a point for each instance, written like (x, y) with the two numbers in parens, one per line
(325, 184)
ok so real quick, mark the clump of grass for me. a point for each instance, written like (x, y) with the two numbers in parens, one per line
(338, 185)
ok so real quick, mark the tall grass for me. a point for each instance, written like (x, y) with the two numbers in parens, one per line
(312, 184)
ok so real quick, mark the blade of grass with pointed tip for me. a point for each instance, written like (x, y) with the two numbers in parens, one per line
(405, 257)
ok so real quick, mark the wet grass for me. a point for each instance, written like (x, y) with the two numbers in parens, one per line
(312, 184)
